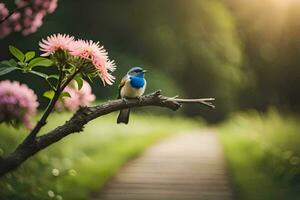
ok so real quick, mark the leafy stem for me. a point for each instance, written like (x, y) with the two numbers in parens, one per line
(57, 92)
(50, 85)
(69, 79)
(44, 76)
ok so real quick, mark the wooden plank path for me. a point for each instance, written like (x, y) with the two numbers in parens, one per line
(184, 167)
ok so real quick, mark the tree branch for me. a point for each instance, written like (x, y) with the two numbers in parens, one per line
(82, 117)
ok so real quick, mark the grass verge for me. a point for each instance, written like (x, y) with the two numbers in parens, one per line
(263, 153)
(82, 162)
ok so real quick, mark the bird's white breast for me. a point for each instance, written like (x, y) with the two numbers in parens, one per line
(128, 91)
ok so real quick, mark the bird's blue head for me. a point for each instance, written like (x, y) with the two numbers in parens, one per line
(137, 72)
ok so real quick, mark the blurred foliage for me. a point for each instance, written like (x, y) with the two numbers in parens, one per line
(243, 53)
(80, 164)
(269, 31)
(263, 155)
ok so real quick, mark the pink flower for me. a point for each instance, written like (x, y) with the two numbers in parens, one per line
(3, 11)
(32, 24)
(38, 5)
(89, 50)
(98, 56)
(86, 50)
(104, 74)
(18, 103)
(82, 97)
(5, 29)
(57, 42)
(14, 21)
(52, 6)
(26, 20)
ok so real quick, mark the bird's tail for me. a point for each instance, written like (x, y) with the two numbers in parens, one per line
(123, 116)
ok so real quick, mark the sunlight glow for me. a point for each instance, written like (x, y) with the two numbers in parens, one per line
(284, 4)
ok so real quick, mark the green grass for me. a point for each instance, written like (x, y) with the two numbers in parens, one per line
(263, 153)
(84, 160)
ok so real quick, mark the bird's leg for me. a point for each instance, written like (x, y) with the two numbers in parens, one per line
(125, 100)
(140, 99)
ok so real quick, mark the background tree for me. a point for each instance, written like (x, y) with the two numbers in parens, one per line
(246, 63)
(181, 44)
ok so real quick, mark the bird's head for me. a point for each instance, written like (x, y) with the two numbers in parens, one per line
(136, 71)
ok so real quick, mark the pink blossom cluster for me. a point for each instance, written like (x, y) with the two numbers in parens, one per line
(4, 27)
(84, 49)
(28, 19)
(82, 97)
(18, 103)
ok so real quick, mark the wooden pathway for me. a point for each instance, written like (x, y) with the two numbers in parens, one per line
(184, 167)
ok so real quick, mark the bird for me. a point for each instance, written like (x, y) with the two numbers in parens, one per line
(132, 85)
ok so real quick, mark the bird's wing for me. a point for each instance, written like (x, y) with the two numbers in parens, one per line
(122, 83)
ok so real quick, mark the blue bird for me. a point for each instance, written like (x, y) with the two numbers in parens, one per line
(132, 85)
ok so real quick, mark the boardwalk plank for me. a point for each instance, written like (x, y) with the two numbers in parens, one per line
(184, 167)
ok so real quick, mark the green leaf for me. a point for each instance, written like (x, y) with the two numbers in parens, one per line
(45, 76)
(22, 64)
(79, 82)
(6, 67)
(65, 94)
(13, 63)
(29, 55)
(6, 70)
(43, 62)
(16, 53)
(49, 94)
(6, 63)
(10, 63)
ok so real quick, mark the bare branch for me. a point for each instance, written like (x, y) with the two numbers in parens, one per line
(206, 101)
(82, 117)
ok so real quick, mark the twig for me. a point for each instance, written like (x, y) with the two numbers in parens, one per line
(82, 117)
(205, 101)
(12, 12)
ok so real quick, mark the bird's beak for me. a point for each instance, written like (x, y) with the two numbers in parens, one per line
(144, 71)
